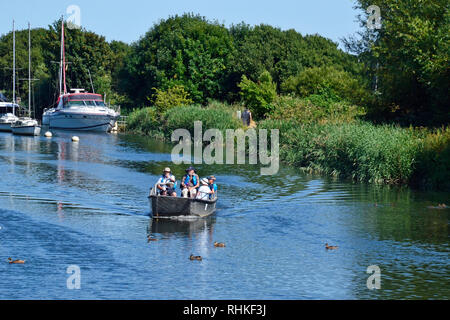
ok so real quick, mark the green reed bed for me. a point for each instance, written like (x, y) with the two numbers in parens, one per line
(365, 152)
(148, 122)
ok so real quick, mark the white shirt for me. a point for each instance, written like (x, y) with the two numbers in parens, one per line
(203, 193)
(164, 180)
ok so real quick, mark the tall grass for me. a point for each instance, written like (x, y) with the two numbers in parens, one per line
(147, 121)
(365, 152)
(184, 117)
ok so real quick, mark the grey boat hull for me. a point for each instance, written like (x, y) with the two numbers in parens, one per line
(179, 207)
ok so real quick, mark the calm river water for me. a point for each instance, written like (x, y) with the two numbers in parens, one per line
(85, 204)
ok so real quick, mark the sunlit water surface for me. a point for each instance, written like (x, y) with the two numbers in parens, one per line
(85, 204)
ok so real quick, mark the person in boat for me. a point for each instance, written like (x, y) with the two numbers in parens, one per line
(213, 186)
(247, 117)
(190, 183)
(167, 184)
(204, 192)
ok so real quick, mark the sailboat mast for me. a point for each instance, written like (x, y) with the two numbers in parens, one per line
(29, 70)
(61, 61)
(64, 59)
(14, 68)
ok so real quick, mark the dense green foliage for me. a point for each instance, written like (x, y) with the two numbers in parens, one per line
(258, 96)
(184, 117)
(329, 82)
(186, 50)
(314, 108)
(172, 97)
(365, 152)
(409, 58)
(148, 121)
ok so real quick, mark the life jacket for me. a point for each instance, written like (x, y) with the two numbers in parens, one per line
(164, 180)
(187, 179)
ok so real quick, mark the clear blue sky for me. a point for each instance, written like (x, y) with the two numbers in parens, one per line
(130, 19)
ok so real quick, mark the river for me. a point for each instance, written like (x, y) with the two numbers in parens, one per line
(85, 204)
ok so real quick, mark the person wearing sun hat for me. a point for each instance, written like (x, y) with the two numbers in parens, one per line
(204, 191)
(167, 184)
(190, 183)
(213, 186)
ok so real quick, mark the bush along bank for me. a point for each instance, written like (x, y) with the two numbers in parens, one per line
(367, 153)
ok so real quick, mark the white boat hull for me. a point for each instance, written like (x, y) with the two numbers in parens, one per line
(81, 122)
(27, 130)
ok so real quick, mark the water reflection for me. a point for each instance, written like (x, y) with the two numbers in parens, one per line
(174, 227)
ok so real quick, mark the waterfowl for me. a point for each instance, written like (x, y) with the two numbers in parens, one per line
(330, 247)
(149, 238)
(192, 257)
(219, 244)
(10, 260)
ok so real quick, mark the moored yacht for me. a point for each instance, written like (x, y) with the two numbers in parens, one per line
(26, 127)
(80, 110)
(7, 115)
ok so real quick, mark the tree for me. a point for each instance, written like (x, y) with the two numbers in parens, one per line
(409, 57)
(175, 96)
(330, 82)
(183, 50)
(258, 96)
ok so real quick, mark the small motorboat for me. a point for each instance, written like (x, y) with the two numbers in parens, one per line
(170, 207)
(26, 127)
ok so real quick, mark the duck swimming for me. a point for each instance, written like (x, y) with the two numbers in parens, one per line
(219, 244)
(10, 260)
(149, 239)
(330, 247)
(198, 258)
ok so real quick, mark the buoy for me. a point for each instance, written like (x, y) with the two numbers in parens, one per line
(75, 139)
(48, 134)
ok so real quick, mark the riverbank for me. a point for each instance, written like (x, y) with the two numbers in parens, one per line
(335, 143)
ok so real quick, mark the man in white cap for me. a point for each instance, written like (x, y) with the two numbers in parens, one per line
(167, 184)
(204, 191)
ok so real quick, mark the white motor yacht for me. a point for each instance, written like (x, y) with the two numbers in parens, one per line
(81, 111)
(78, 110)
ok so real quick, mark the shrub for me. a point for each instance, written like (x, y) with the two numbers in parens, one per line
(304, 110)
(184, 117)
(258, 97)
(328, 82)
(143, 121)
(173, 97)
